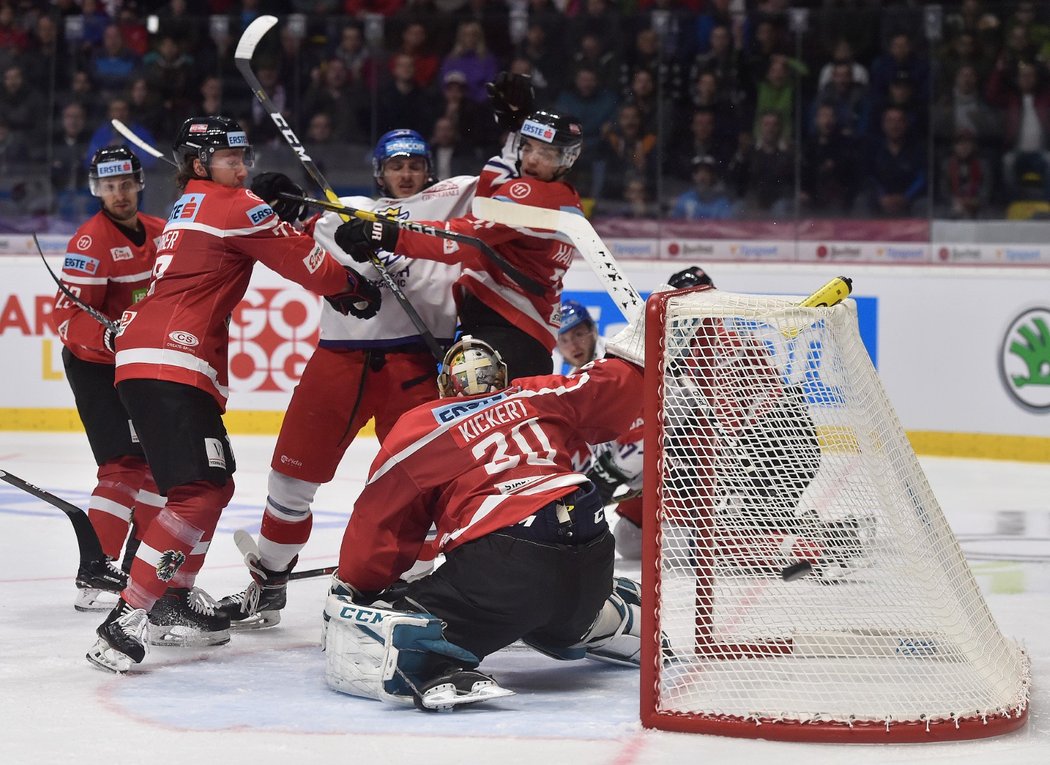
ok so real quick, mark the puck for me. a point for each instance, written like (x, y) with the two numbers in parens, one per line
(796, 571)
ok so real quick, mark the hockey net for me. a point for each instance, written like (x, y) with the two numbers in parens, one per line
(805, 584)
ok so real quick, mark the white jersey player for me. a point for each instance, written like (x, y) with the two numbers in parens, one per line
(361, 370)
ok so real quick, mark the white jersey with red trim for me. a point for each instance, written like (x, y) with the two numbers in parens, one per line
(426, 283)
(475, 465)
(180, 331)
(106, 270)
(540, 255)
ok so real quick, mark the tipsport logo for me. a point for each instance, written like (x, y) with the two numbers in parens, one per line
(1024, 360)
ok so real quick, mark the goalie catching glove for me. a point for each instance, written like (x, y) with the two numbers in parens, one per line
(361, 239)
(360, 299)
(270, 186)
(513, 99)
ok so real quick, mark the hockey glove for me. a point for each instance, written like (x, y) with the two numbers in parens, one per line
(512, 98)
(361, 238)
(270, 186)
(361, 298)
(109, 339)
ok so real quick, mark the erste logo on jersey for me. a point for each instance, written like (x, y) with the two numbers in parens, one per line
(186, 208)
(519, 190)
(121, 253)
(259, 213)
(80, 263)
(458, 409)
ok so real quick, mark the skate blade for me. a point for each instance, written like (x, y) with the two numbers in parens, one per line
(445, 697)
(105, 657)
(88, 600)
(260, 620)
(179, 637)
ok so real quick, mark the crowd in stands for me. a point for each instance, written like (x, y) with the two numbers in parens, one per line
(691, 109)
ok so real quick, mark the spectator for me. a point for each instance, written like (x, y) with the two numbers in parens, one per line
(594, 54)
(698, 38)
(355, 56)
(636, 202)
(345, 101)
(593, 106)
(95, 21)
(470, 57)
(902, 94)
(176, 21)
(962, 50)
(899, 56)
(105, 135)
(169, 72)
(401, 103)
(655, 109)
(764, 174)
(21, 106)
(82, 92)
(451, 156)
(627, 151)
(963, 108)
(548, 63)
(1025, 106)
(730, 117)
(897, 170)
(114, 66)
(14, 158)
(708, 199)
(768, 41)
(133, 31)
(47, 60)
(829, 182)
(842, 53)
(210, 102)
(966, 180)
(647, 56)
(847, 98)
(473, 124)
(149, 110)
(69, 175)
(261, 126)
(13, 39)
(725, 62)
(597, 19)
(702, 140)
(776, 92)
(415, 43)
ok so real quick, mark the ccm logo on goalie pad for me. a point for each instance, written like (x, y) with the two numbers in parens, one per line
(360, 614)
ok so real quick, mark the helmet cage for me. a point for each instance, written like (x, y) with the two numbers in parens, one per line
(471, 367)
(113, 162)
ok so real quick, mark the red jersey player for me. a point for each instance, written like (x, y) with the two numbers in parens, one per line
(108, 267)
(360, 370)
(528, 554)
(172, 378)
(492, 306)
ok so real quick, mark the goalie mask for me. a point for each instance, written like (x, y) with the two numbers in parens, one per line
(471, 367)
(113, 162)
(200, 137)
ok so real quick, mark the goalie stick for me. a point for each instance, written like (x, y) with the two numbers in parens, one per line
(87, 539)
(529, 285)
(243, 58)
(94, 313)
(128, 133)
(581, 235)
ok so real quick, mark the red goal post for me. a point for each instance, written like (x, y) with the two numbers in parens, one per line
(800, 581)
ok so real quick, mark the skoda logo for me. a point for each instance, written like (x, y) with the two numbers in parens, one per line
(1024, 360)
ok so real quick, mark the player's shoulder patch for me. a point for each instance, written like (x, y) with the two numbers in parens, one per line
(259, 213)
(76, 261)
(186, 208)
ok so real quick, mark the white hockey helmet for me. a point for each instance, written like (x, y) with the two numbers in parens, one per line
(471, 367)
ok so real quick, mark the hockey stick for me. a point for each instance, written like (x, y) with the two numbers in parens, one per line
(128, 133)
(87, 539)
(529, 285)
(243, 58)
(250, 550)
(94, 313)
(582, 236)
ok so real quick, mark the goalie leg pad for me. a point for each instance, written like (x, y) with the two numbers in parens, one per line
(615, 635)
(379, 653)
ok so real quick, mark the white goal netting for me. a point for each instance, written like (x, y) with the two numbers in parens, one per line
(806, 580)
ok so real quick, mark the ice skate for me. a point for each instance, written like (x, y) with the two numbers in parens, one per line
(461, 686)
(187, 618)
(121, 639)
(258, 605)
(97, 584)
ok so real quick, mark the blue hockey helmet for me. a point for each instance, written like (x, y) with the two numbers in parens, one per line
(573, 313)
(400, 143)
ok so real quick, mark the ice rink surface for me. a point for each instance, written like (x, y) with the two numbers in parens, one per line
(262, 698)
